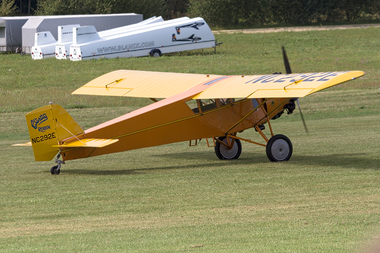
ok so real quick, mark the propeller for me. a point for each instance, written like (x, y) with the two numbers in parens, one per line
(286, 61)
(303, 120)
(289, 71)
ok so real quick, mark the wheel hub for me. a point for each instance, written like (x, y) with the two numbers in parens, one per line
(280, 149)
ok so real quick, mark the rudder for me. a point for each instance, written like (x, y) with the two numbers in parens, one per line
(47, 126)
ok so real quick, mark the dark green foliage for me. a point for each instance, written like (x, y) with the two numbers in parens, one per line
(176, 8)
(62, 7)
(231, 12)
(227, 13)
(222, 13)
(7, 8)
(298, 12)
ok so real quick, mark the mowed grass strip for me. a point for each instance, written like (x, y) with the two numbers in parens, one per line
(175, 198)
(26, 84)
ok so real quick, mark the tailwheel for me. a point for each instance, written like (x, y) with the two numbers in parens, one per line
(55, 170)
(279, 148)
(224, 152)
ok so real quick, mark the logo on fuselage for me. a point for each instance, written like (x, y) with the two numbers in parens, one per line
(44, 128)
(37, 121)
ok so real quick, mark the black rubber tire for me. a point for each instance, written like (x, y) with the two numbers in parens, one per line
(223, 153)
(55, 170)
(279, 148)
(155, 53)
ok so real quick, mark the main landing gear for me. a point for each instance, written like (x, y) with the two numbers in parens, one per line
(278, 148)
(227, 148)
(55, 170)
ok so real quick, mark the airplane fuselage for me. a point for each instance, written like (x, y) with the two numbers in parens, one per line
(176, 119)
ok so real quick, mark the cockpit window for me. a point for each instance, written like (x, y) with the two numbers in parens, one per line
(226, 101)
(193, 104)
(207, 104)
(203, 105)
(255, 103)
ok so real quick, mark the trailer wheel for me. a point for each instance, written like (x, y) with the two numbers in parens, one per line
(155, 53)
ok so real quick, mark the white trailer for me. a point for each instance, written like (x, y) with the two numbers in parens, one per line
(44, 45)
(102, 22)
(10, 32)
(165, 37)
(89, 34)
(123, 29)
(65, 39)
(65, 36)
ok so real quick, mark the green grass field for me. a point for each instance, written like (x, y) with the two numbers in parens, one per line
(176, 198)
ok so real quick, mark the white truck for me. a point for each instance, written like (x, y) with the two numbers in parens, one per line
(154, 39)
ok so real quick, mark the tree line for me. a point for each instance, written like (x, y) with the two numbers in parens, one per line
(218, 13)
(296, 12)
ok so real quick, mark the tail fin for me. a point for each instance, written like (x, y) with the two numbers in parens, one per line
(47, 126)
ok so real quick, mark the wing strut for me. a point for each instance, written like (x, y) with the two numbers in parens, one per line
(303, 120)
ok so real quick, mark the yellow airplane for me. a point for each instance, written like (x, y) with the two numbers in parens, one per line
(192, 107)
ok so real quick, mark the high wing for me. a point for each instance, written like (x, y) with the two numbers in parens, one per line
(149, 84)
(277, 86)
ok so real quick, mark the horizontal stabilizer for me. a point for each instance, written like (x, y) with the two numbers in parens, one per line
(28, 144)
(88, 143)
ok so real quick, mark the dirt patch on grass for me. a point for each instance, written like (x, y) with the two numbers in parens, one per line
(298, 28)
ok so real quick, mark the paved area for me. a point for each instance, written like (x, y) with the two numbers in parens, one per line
(298, 28)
